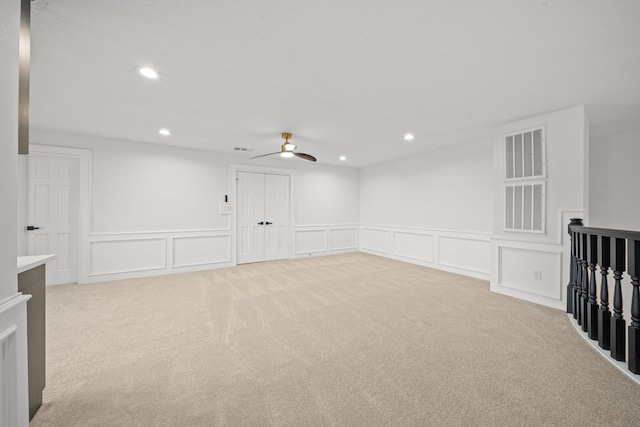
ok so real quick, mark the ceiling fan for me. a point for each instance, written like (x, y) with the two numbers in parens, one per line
(287, 150)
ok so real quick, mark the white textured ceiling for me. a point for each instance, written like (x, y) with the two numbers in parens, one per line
(345, 77)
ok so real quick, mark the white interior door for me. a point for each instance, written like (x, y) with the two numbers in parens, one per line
(262, 217)
(250, 240)
(276, 214)
(52, 207)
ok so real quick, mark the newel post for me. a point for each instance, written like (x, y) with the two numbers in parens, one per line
(573, 260)
(633, 253)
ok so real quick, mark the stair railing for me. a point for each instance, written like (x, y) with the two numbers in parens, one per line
(618, 250)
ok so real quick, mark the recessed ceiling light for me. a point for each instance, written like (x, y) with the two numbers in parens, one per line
(164, 132)
(343, 158)
(148, 73)
(408, 137)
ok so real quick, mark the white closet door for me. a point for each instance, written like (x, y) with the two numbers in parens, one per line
(250, 238)
(262, 217)
(276, 213)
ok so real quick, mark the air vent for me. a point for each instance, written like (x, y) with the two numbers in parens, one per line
(524, 183)
(524, 207)
(524, 154)
(242, 149)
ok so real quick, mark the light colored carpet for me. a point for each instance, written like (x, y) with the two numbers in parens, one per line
(346, 340)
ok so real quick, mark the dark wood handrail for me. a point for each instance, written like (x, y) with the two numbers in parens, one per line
(620, 234)
(618, 251)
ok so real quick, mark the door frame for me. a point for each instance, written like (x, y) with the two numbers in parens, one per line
(233, 190)
(83, 156)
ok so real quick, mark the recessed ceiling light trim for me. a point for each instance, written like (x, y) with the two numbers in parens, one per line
(164, 132)
(343, 158)
(148, 73)
(408, 137)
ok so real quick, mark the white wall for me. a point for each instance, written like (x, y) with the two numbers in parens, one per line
(434, 209)
(13, 342)
(327, 209)
(516, 255)
(9, 30)
(614, 182)
(156, 209)
(327, 194)
(447, 189)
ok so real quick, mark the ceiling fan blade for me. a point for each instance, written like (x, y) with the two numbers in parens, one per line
(306, 156)
(263, 155)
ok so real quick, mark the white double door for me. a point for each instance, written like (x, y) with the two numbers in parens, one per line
(263, 217)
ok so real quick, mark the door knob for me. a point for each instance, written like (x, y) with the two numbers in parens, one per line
(268, 223)
(31, 228)
(261, 223)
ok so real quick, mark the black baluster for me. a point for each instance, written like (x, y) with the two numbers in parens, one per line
(577, 286)
(618, 324)
(574, 270)
(604, 315)
(592, 307)
(572, 261)
(633, 252)
(585, 283)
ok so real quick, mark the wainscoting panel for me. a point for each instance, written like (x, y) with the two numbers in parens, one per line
(413, 245)
(529, 271)
(115, 256)
(465, 253)
(376, 240)
(310, 241)
(324, 239)
(127, 255)
(200, 250)
(543, 268)
(343, 239)
(14, 387)
(458, 252)
(8, 379)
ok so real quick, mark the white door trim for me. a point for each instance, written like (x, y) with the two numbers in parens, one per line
(84, 199)
(233, 189)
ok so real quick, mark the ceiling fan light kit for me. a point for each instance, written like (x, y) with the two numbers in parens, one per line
(287, 150)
